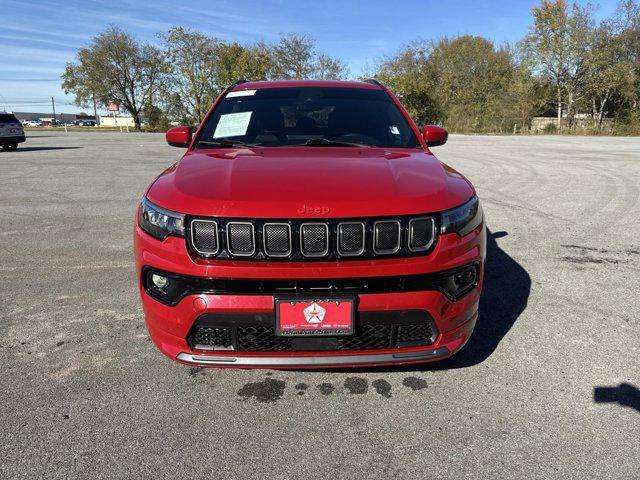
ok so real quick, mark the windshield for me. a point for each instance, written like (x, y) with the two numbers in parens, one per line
(307, 116)
(8, 118)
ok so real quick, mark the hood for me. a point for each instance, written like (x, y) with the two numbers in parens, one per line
(309, 182)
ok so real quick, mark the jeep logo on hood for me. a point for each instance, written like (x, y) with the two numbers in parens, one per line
(313, 210)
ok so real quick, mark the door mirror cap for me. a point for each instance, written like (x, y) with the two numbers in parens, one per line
(434, 135)
(179, 137)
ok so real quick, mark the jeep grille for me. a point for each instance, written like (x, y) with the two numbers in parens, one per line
(303, 240)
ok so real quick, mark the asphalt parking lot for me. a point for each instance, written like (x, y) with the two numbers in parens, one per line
(548, 387)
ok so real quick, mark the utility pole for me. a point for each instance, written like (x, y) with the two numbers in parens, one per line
(53, 105)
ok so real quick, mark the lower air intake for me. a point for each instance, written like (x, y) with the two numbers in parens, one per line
(256, 333)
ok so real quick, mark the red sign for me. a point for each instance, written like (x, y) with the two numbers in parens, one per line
(319, 317)
(114, 107)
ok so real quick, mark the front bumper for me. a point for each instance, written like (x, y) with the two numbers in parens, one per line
(11, 140)
(169, 325)
(315, 361)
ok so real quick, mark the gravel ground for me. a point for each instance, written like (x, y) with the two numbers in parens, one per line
(547, 387)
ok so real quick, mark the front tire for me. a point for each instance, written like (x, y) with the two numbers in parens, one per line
(10, 147)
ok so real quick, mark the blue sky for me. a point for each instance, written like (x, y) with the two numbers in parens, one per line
(37, 38)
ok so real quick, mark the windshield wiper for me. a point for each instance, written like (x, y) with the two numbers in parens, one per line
(321, 142)
(225, 143)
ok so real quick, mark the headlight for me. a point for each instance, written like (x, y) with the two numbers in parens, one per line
(463, 219)
(158, 222)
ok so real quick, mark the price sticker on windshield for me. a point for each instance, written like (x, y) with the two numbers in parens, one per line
(232, 125)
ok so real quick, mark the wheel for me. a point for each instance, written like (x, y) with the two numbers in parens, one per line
(9, 147)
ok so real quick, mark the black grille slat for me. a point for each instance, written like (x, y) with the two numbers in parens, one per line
(351, 238)
(421, 232)
(415, 332)
(277, 239)
(205, 236)
(258, 334)
(241, 239)
(306, 240)
(368, 337)
(386, 236)
(261, 339)
(213, 337)
(314, 239)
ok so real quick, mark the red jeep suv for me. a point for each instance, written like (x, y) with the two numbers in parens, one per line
(309, 225)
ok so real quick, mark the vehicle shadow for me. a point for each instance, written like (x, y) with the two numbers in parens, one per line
(36, 149)
(505, 294)
(625, 394)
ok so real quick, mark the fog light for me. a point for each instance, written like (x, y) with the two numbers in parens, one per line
(159, 281)
(465, 278)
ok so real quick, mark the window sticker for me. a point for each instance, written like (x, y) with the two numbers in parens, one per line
(394, 130)
(232, 125)
(240, 93)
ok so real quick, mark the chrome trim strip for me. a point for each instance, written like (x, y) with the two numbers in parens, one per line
(375, 237)
(253, 238)
(313, 361)
(264, 240)
(326, 229)
(364, 240)
(217, 237)
(433, 234)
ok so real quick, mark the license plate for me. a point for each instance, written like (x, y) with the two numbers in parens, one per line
(314, 317)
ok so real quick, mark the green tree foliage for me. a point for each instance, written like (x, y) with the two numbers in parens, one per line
(157, 120)
(626, 107)
(295, 57)
(200, 67)
(567, 64)
(116, 67)
(473, 78)
(461, 82)
(190, 84)
(558, 46)
(411, 76)
(610, 73)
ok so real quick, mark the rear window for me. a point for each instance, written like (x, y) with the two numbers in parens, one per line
(8, 118)
(295, 116)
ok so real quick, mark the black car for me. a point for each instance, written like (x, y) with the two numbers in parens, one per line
(84, 122)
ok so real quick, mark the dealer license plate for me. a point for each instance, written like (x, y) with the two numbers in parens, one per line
(314, 317)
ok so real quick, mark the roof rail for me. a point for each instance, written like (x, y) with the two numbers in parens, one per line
(237, 82)
(373, 81)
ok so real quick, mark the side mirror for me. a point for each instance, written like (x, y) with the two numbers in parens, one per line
(179, 137)
(434, 135)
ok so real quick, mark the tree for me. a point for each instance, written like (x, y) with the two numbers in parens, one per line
(235, 62)
(411, 76)
(461, 82)
(191, 81)
(610, 73)
(115, 67)
(626, 22)
(472, 79)
(558, 47)
(328, 68)
(200, 67)
(295, 57)
(157, 121)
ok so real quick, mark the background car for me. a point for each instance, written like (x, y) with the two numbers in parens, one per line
(11, 131)
(84, 123)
